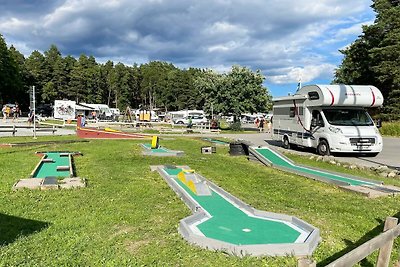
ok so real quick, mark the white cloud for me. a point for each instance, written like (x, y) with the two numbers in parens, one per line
(306, 74)
(14, 25)
(223, 27)
(353, 30)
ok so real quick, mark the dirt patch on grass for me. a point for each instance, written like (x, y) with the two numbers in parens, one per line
(121, 230)
(132, 246)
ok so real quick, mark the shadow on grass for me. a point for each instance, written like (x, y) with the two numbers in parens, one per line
(352, 245)
(12, 227)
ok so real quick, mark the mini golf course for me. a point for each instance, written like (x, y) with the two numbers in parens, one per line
(370, 188)
(56, 164)
(54, 170)
(223, 222)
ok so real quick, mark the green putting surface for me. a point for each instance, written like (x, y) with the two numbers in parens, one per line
(174, 171)
(156, 150)
(231, 224)
(50, 168)
(216, 141)
(279, 161)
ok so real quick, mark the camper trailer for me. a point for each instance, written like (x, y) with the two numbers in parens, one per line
(64, 109)
(329, 118)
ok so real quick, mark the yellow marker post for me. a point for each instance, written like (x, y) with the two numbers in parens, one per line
(154, 142)
(190, 184)
(111, 130)
(181, 176)
(192, 187)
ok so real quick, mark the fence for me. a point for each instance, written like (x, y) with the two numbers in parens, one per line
(383, 242)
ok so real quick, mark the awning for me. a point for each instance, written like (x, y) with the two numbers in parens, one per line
(83, 107)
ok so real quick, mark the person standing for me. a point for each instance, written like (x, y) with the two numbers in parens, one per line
(190, 123)
(4, 111)
(14, 112)
(269, 125)
(30, 116)
(8, 111)
(261, 124)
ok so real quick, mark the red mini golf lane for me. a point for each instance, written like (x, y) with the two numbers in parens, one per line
(92, 133)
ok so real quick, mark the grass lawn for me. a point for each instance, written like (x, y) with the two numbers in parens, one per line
(390, 128)
(129, 216)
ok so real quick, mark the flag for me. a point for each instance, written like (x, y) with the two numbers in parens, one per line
(298, 85)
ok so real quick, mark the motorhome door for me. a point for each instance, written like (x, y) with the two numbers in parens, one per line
(317, 126)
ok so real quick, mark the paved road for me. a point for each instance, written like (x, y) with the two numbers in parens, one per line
(390, 155)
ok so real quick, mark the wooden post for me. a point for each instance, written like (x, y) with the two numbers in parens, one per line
(367, 248)
(386, 250)
(305, 262)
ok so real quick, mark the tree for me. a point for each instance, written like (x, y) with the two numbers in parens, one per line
(239, 91)
(36, 67)
(153, 81)
(56, 71)
(21, 85)
(85, 81)
(11, 82)
(374, 58)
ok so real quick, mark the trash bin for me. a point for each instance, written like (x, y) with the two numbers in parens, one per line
(236, 149)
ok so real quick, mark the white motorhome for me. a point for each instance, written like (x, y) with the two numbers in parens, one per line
(330, 118)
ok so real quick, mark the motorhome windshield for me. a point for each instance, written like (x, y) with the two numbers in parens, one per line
(105, 110)
(348, 117)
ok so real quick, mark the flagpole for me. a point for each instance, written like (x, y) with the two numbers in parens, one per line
(34, 113)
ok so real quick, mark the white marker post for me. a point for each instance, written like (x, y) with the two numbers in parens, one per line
(34, 112)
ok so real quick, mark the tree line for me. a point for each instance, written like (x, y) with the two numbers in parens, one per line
(155, 84)
(374, 57)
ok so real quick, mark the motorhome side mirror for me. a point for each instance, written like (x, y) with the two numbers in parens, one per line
(379, 124)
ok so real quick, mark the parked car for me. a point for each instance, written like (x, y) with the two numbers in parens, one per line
(195, 120)
(44, 110)
(115, 111)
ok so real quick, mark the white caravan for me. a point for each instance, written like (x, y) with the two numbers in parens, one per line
(102, 110)
(64, 109)
(330, 118)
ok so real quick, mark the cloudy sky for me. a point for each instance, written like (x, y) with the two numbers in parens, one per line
(285, 39)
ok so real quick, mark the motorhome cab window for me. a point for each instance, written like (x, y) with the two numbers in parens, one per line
(348, 117)
(317, 119)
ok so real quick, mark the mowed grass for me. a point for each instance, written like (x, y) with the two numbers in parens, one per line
(128, 215)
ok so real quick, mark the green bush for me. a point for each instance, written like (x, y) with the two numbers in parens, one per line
(390, 128)
(236, 126)
(223, 125)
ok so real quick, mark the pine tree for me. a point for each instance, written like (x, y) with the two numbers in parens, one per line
(374, 58)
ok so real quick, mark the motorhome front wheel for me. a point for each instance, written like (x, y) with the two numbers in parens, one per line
(323, 148)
